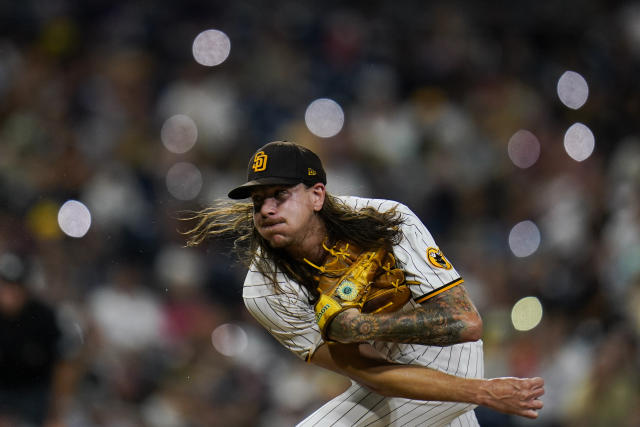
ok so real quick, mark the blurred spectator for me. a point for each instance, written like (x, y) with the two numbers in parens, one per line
(127, 315)
(609, 394)
(127, 327)
(33, 375)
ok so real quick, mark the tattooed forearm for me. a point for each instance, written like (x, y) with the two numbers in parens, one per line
(446, 319)
(433, 327)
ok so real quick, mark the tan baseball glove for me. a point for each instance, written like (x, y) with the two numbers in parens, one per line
(351, 278)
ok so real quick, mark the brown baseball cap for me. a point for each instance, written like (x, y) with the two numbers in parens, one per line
(281, 162)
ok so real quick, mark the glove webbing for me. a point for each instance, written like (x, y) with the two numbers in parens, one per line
(340, 254)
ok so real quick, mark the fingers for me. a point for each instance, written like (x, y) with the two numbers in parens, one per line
(530, 383)
(532, 402)
(536, 393)
(536, 382)
(530, 413)
(531, 409)
(536, 388)
(536, 404)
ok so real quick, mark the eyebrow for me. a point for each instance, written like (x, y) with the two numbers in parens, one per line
(272, 191)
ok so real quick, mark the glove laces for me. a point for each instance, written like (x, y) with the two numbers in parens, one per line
(340, 254)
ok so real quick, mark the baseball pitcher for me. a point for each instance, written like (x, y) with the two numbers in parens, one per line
(360, 287)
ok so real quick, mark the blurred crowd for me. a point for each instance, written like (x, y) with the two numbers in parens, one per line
(431, 92)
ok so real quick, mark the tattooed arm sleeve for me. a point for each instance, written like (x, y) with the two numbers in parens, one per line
(445, 319)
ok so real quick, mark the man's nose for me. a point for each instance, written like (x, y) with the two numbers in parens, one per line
(269, 206)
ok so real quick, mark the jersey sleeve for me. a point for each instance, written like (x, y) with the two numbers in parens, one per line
(288, 316)
(427, 270)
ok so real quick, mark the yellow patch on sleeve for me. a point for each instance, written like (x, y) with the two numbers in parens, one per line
(437, 258)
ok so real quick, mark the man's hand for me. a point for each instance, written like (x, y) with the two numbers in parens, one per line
(512, 395)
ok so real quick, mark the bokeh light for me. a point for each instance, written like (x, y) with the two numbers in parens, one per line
(523, 149)
(211, 48)
(573, 89)
(74, 218)
(524, 238)
(179, 133)
(229, 339)
(324, 117)
(184, 181)
(526, 314)
(579, 142)
(12, 266)
(42, 219)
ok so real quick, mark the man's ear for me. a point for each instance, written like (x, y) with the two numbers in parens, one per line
(318, 193)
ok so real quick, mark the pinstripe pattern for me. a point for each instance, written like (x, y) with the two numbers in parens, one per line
(360, 407)
(291, 320)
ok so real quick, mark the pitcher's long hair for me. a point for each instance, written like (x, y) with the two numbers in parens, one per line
(367, 227)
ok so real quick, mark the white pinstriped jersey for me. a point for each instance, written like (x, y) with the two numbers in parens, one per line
(290, 318)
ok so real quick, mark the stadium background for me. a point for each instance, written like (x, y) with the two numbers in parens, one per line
(432, 94)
